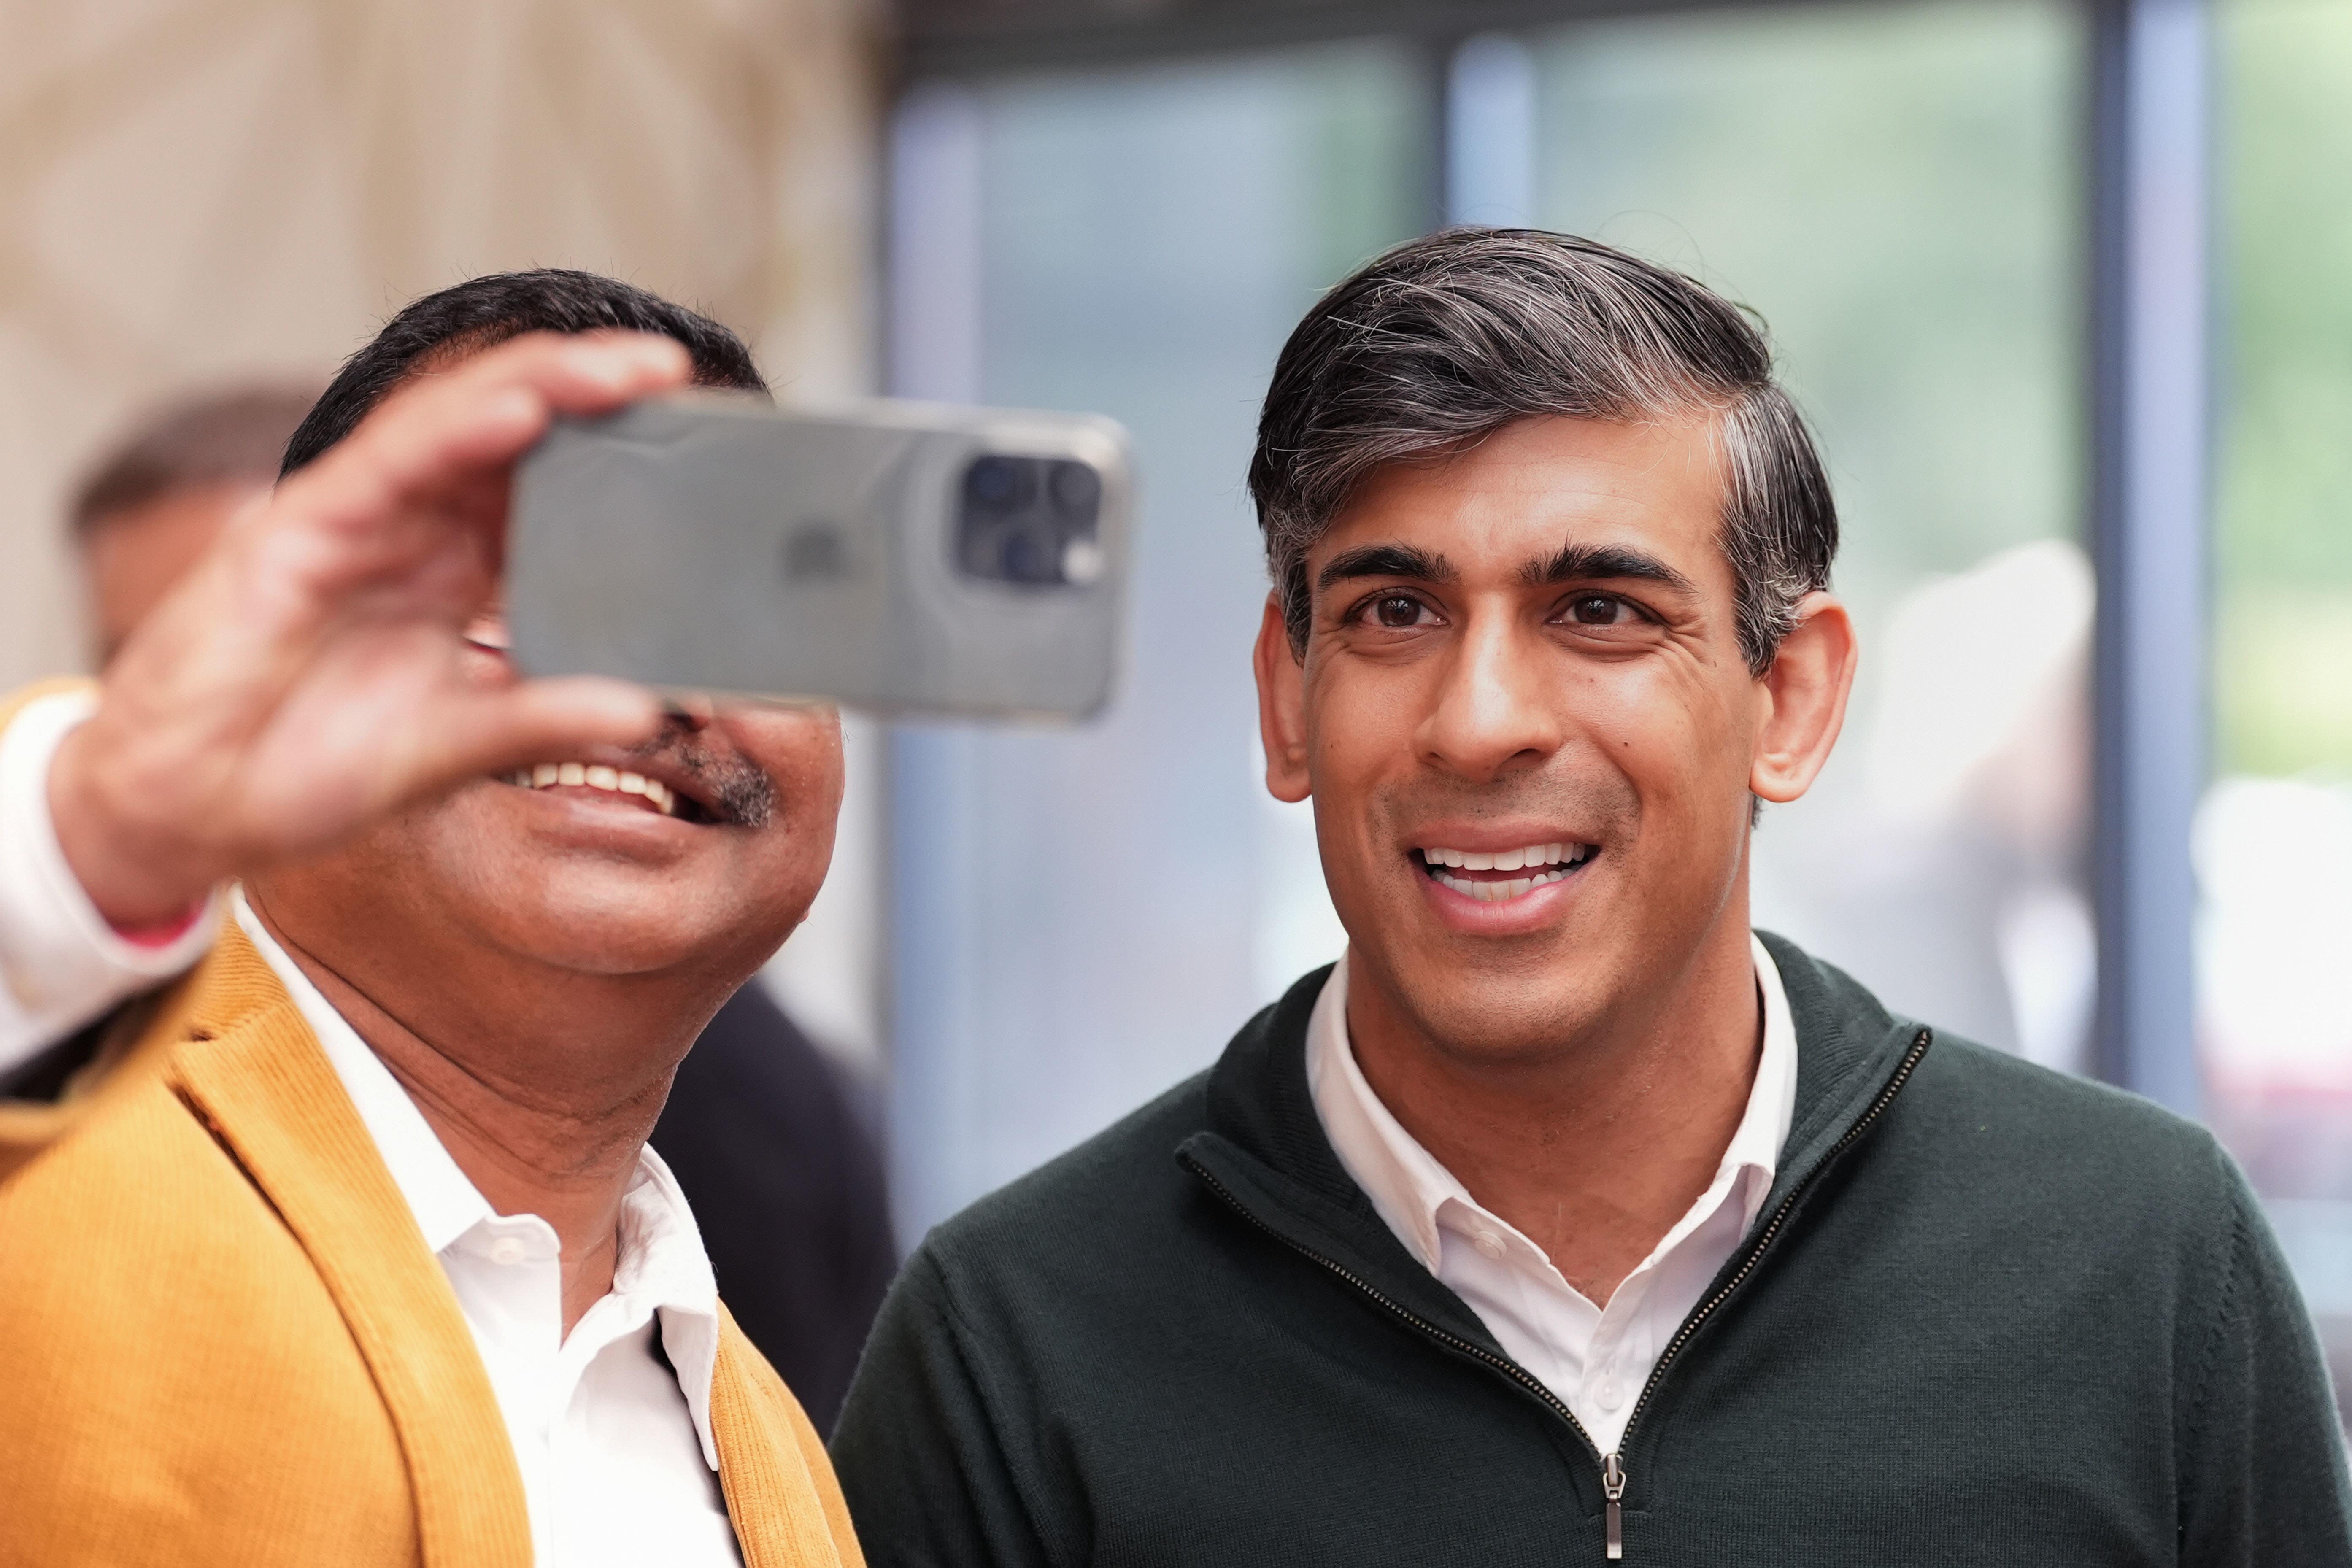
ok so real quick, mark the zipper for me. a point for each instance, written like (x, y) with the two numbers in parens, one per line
(1764, 1237)
(1504, 1365)
(1612, 1465)
(1612, 1488)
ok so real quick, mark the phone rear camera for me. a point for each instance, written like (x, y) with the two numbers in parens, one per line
(1029, 559)
(1030, 522)
(1076, 491)
(1000, 484)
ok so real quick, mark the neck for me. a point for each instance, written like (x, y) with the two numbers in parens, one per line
(544, 1088)
(1593, 1150)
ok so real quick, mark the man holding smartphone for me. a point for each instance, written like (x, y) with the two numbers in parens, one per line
(1567, 1219)
(358, 1254)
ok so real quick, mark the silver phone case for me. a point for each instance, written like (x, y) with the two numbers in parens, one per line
(712, 543)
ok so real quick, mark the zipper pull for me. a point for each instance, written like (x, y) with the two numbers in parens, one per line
(1613, 1486)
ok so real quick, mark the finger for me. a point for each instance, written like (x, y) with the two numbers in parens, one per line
(439, 433)
(494, 730)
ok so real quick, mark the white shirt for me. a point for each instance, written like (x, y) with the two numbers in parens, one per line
(617, 1461)
(1595, 1360)
(61, 965)
(618, 1464)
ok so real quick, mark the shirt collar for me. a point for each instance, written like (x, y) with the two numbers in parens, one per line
(1763, 1131)
(1409, 1188)
(661, 1262)
(664, 1264)
(446, 1204)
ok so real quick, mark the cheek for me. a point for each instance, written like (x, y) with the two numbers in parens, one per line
(800, 748)
(1677, 733)
(1361, 723)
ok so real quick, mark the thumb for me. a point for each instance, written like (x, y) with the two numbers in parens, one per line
(495, 730)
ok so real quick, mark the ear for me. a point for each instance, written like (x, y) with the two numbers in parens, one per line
(1803, 698)
(1281, 707)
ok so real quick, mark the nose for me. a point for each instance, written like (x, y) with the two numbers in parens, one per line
(1494, 712)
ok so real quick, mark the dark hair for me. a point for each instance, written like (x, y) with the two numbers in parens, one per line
(226, 434)
(488, 310)
(1447, 338)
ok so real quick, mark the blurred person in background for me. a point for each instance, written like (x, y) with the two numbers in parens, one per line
(1567, 1218)
(784, 1181)
(375, 1266)
(156, 498)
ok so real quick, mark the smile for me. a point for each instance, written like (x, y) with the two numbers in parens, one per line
(653, 795)
(1487, 875)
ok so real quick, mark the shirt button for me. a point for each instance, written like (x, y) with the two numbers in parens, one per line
(1612, 1394)
(509, 1249)
(1488, 1243)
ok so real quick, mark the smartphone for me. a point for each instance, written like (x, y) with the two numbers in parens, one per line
(904, 558)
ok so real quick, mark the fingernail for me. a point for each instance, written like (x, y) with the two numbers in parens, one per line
(605, 362)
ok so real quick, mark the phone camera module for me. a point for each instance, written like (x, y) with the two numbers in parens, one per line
(1030, 522)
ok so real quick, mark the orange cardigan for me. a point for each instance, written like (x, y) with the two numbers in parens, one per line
(226, 1341)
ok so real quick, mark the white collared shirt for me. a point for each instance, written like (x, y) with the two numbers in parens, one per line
(618, 1464)
(1595, 1360)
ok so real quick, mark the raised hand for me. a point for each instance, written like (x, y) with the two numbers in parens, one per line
(307, 677)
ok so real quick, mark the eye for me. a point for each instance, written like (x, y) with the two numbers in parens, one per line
(1599, 610)
(1397, 612)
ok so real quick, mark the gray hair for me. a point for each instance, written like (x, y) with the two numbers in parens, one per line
(1444, 340)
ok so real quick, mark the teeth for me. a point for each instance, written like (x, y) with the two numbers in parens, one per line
(1501, 892)
(595, 775)
(1547, 863)
(1533, 856)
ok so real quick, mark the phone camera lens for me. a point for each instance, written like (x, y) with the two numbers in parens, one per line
(1030, 559)
(997, 484)
(1076, 488)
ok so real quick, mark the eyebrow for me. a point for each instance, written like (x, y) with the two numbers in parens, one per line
(1587, 562)
(1386, 561)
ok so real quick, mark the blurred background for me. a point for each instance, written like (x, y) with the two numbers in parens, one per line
(2064, 285)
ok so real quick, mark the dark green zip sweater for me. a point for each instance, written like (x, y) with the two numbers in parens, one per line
(1988, 1314)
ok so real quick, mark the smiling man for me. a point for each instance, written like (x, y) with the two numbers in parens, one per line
(1566, 1219)
(357, 1254)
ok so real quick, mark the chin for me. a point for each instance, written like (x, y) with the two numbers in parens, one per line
(1525, 1023)
(603, 910)
(591, 936)
(1501, 1001)
(596, 916)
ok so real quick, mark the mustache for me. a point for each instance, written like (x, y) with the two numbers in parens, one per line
(736, 791)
